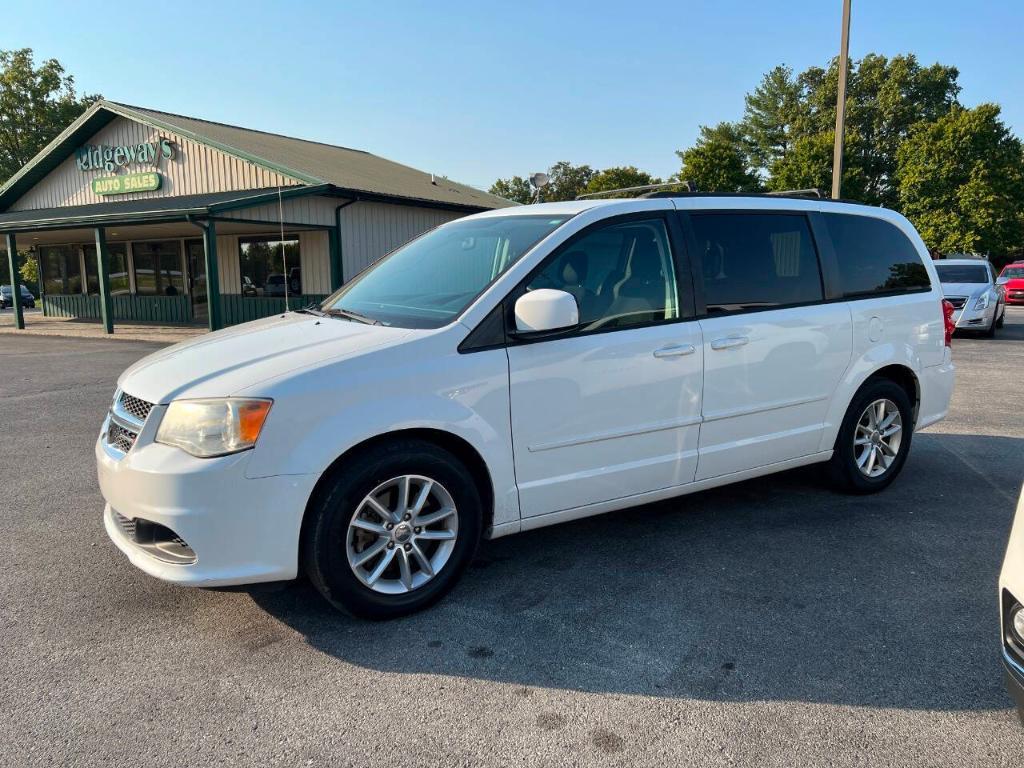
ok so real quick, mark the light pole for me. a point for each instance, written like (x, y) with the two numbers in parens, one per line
(844, 62)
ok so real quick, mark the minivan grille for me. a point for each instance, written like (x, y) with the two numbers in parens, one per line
(119, 437)
(135, 406)
(127, 416)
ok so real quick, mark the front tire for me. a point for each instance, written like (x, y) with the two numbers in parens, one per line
(874, 438)
(390, 532)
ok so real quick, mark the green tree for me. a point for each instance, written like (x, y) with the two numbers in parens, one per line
(772, 117)
(565, 182)
(962, 182)
(29, 271)
(515, 188)
(719, 161)
(36, 103)
(789, 120)
(619, 178)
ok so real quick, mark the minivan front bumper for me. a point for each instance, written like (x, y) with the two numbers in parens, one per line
(241, 530)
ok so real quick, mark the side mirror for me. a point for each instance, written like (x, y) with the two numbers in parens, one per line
(1002, 280)
(546, 310)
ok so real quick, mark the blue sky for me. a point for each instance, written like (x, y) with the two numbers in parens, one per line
(481, 90)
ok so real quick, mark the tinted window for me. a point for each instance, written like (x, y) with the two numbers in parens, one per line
(1012, 272)
(960, 273)
(754, 260)
(874, 256)
(621, 275)
(158, 268)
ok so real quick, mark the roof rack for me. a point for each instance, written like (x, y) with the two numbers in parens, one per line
(671, 189)
(689, 187)
(810, 192)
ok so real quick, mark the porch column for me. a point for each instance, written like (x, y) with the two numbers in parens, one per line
(212, 275)
(12, 265)
(103, 270)
(334, 241)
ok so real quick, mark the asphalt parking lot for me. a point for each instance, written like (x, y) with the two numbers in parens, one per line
(772, 623)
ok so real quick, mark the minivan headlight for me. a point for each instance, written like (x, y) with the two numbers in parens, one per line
(983, 301)
(207, 428)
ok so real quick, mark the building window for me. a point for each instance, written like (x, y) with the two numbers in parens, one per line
(158, 268)
(62, 271)
(266, 263)
(117, 254)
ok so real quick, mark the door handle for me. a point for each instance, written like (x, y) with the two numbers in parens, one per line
(729, 342)
(675, 350)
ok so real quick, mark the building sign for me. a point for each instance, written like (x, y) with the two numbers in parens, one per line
(110, 159)
(127, 182)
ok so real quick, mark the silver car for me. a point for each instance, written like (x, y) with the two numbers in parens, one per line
(970, 286)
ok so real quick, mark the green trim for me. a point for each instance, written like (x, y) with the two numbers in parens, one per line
(78, 222)
(269, 197)
(243, 309)
(103, 268)
(334, 246)
(212, 275)
(131, 307)
(359, 196)
(272, 224)
(12, 265)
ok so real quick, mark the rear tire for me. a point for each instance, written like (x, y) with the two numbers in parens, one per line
(852, 468)
(360, 512)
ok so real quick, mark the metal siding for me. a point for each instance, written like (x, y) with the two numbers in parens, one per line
(195, 169)
(227, 263)
(314, 251)
(371, 230)
(301, 210)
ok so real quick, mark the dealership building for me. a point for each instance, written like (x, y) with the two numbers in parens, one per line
(138, 215)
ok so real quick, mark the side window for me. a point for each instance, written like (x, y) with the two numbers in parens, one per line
(874, 256)
(621, 275)
(756, 260)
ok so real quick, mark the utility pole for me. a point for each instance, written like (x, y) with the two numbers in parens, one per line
(844, 63)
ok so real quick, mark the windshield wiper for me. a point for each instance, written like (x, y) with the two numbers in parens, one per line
(310, 310)
(348, 314)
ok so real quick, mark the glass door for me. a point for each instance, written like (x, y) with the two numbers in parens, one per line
(196, 255)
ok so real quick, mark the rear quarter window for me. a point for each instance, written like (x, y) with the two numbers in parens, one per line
(875, 257)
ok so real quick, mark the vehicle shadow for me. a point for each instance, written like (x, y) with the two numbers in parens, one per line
(773, 589)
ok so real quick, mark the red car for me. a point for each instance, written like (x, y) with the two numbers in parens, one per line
(1012, 281)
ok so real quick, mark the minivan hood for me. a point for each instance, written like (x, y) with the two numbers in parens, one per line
(221, 364)
(964, 289)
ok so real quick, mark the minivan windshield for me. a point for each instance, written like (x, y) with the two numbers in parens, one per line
(428, 282)
(962, 273)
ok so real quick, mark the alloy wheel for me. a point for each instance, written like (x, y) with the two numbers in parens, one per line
(877, 438)
(402, 534)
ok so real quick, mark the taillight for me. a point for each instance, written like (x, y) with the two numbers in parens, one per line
(947, 316)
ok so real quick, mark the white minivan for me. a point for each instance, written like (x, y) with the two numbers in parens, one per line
(524, 367)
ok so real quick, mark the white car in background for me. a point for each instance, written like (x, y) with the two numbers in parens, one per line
(524, 367)
(970, 286)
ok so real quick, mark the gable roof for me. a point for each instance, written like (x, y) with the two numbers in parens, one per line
(346, 170)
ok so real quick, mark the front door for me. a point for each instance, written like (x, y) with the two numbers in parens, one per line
(774, 351)
(196, 255)
(612, 409)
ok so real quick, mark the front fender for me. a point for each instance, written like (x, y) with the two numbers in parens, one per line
(319, 415)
